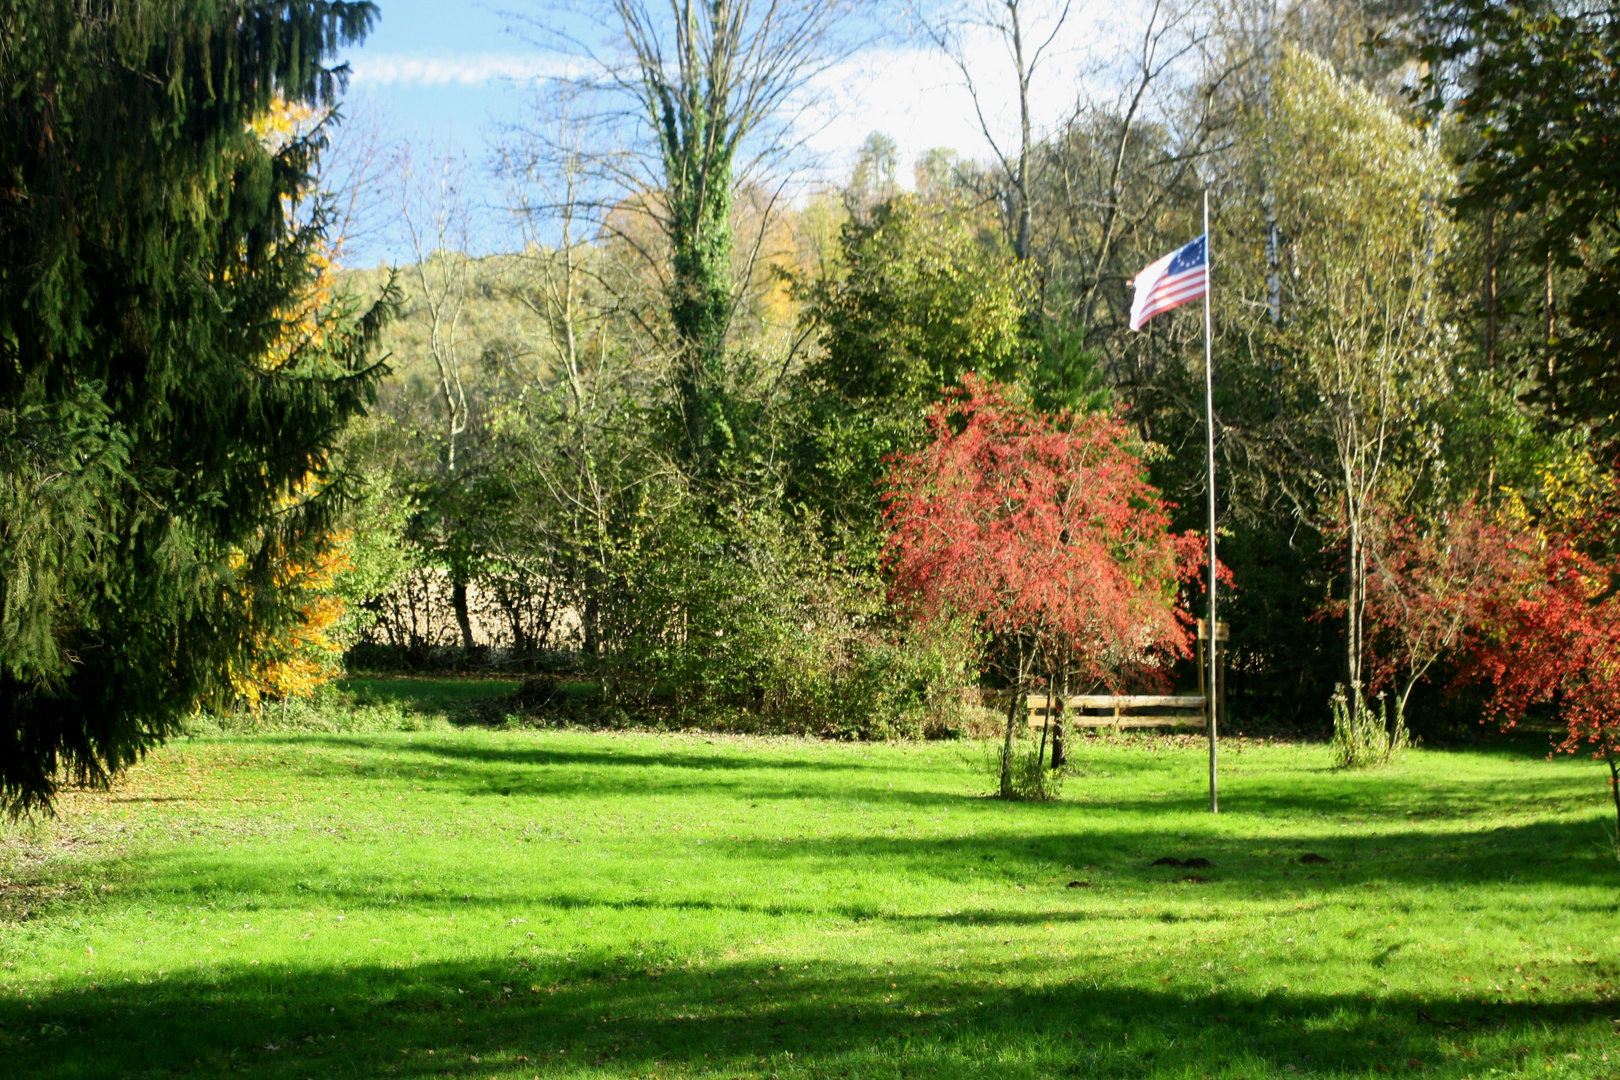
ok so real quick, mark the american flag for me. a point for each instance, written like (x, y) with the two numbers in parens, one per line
(1180, 276)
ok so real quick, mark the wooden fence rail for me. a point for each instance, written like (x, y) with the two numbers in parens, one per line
(1121, 710)
(1131, 710)
(1110, 710)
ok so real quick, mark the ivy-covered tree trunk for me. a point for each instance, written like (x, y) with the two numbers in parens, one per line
(170, 394)
(700, 291)
(705, 75)
(697, 136)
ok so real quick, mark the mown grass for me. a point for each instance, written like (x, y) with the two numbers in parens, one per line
(426, 694)
(372, 703)
(477, 903)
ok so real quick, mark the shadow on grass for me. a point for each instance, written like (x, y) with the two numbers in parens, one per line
(508, 1017)
(1543, 853)
(480, 769)
(537, 757)
(811, 876)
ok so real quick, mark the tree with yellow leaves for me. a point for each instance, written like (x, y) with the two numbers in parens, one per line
(294, 659)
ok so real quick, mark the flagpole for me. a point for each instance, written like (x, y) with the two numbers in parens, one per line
(1211, 686)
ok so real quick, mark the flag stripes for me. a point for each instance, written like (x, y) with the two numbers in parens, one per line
(1179, 277)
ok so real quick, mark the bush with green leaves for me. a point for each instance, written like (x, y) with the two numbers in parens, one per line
(746, 625)
(1032, 780)
(330, 710)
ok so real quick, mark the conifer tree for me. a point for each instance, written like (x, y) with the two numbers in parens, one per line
(169, 399)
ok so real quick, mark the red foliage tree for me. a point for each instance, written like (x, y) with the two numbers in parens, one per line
(1556, 639)
(1532, 613)
(1043, 533)
(1428, 590)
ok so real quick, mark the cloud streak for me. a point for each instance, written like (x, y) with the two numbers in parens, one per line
(465, 70)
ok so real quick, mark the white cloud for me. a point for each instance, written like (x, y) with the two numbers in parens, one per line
(909, 92)
(463, 70)
(918, 97)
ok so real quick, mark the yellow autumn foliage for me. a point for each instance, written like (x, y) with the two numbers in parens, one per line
(1570, 488)
(303, 327)
(298, 658)
(295, 659)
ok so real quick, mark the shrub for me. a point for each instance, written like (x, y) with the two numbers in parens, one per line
(1043, 534)
(1031, 779)
(746, 624)
(329, 710)
(1366, 739)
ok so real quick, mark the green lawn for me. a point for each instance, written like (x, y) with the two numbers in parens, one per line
(518, 904)
(423, 694)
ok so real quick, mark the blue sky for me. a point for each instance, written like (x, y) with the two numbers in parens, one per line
(445, 76)
(434, 71)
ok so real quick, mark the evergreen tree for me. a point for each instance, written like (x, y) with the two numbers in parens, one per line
(1542, 96)
(171, 383)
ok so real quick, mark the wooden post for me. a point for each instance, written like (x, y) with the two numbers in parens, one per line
(1203, 670)
(1059, 754)
(1213, 688)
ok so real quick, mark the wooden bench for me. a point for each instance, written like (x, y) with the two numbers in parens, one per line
(1121, 711)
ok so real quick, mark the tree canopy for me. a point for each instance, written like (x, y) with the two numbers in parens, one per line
(1542, 94)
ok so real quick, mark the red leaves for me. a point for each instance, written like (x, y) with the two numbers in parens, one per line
(1429, 588)
(1042, 527)
(1537, 617)
(1557, 640)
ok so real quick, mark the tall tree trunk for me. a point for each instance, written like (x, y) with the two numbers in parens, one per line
(1552, 330)
(1354, 573)
(1007, 744)
(513, 606)
(1046, 726)
(1268, 193)
(1025, 211)
(1058, 750)
(458, 601)
(700, 311)
(1488, 291)
(707, 77)
(1547, 306)
(592, 619)
(1116, 173)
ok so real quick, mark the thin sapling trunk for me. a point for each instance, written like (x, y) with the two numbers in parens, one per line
(1012, 718)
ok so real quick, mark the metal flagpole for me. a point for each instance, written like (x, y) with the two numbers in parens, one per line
(1209, 428)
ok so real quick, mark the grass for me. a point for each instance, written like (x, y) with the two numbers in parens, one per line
(475, 903)
(426, 694)
(370, 704)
